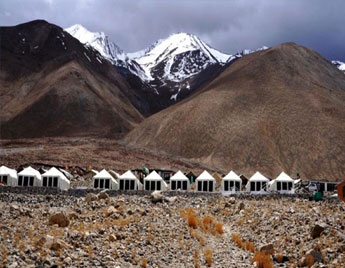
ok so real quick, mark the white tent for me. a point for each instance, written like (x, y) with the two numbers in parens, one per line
(205, 182)
(128, 181)
(29, 177)
(231, 182)
(56, 179)
(103, 180)
(154, 182)
(257, 183)
(283, 184)
(179, 181)
(8, 176)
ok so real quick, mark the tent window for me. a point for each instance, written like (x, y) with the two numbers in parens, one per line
(226, 186)
(121, 184)
(147, 185)
(44, 181)
(158, 185)
(20, 180)
(284, 185)
(252, 185)
(184, 185)
(199, 186)
(26, 181)
(173, 185)
(279, 186)
(153, 186)
(289, 186)
(101, 183)
(179, 184)
(55, 184)
(204, 187)
(127, 185)
(258, 186)
(4, 179)
(132, 185)
(210, 185)
(107, 184)
(237, 184)
(231, 184)
(95, 183)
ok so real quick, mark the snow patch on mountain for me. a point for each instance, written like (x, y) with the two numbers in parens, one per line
(339, 64)
(99, 41)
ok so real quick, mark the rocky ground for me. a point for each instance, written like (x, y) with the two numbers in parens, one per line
(169, 231)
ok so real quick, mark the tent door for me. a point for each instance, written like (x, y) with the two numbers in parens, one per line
(226, 186)
(279, 185)
(121, 185)
(252, 186)
(147, 185)
(210, 186)
(20, 180)
(204, 187)
(159, 185)
(44, 181)
(95, 183)
(127, 185)
(237, 185)
(179, 184)
(55, 181)
(199, 186)
(26, 181)
(101, 183)
(50, 183)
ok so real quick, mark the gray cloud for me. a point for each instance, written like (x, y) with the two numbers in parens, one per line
(229, 25)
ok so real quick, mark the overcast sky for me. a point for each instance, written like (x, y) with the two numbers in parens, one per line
(229, 25)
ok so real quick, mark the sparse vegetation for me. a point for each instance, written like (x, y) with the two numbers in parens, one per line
(208, 256)
(262, 260)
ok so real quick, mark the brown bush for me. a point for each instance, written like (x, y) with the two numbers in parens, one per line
(280, 258)
(262, 260)
(208, 256)
(250, 246)
(219, 228)
(192, 219)
(143, 263)
(237, 240)
(309, 260)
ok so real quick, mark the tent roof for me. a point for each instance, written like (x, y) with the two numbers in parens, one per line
(232, 176)
(103, 175)
(179, 176)
(128, 175)
(154, 176)
(29, 171)
(205, 176)
(8, 171)
(55, 173)
(258, 177)
(284, 177)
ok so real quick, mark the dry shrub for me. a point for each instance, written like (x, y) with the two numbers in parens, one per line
(238, 240)
(262, 260)
(143, 263)
(192, 220)
(250, 246)
(208, 256)
(280, 258)
(219, 228)
(309, 260)
(240, 222)
(207, 223)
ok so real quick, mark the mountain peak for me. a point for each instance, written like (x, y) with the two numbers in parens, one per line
(99, 41)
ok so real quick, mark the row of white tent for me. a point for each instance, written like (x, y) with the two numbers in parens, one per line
(205, 182)
(31, 177)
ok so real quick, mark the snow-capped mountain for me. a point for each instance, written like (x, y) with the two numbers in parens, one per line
(339, 64)
(176, 58)
(99, 41)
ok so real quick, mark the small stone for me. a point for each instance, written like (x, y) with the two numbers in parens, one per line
(156, 197)
(316, 255)
(112, 238)
(241, 206)
(316, 231)
(171, 199)
(267, 249)
(67, 260)
(13, 265)
(60, 219)
(103, 195)
(111, 210)
(90, 197)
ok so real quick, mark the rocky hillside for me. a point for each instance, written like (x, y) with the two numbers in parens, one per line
(272, 110)
(52, 85)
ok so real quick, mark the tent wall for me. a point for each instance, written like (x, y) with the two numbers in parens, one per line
(153, 185)
(29, 180)
(228, 185)
(183, 185)
(129, 184)
(105, 183)
(205, 185)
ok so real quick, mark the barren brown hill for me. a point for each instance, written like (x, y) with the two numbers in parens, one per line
(52, 85)
(273, 110)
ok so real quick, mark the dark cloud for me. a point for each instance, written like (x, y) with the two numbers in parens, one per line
(229, 25)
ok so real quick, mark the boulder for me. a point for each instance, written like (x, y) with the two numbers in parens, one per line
(317, 230)
(103, 195)
(157, 196)
(110, 210)
(90, 197)
(171, 199)
(60, 219)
